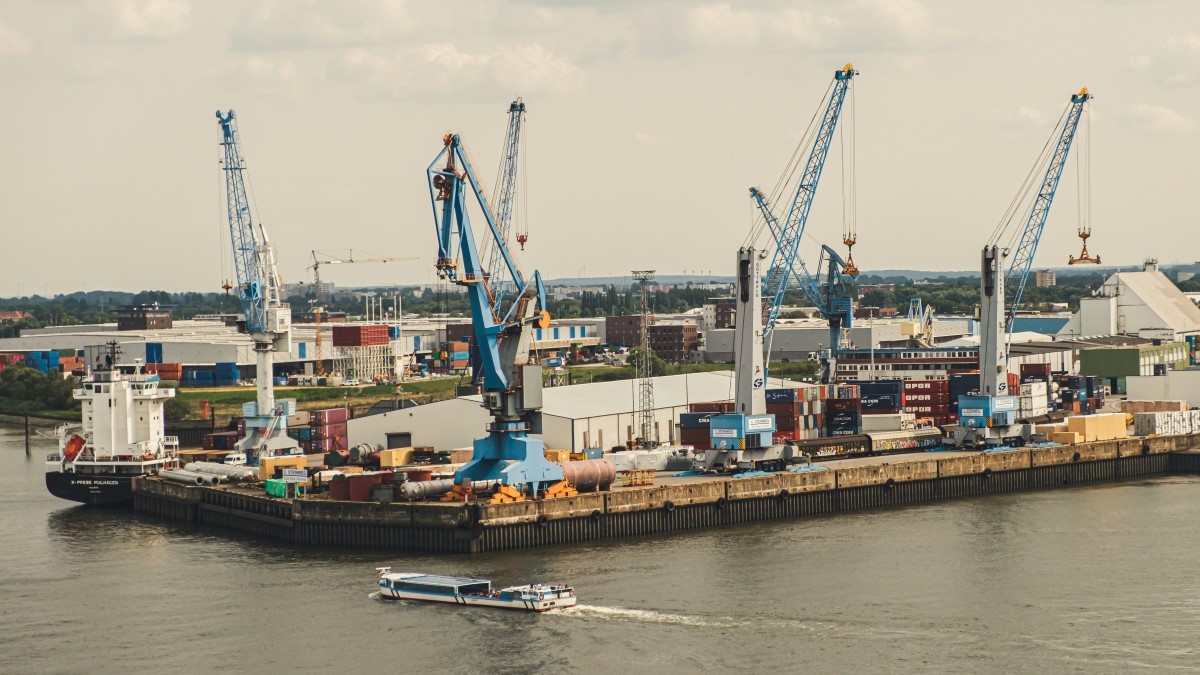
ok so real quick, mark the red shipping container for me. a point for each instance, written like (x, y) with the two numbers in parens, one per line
(915, 386)
(782, 437)
(329, 416)
(924, 398)
(881, 411)
(784, 409)
(786, 423)
(843, 405)
(930, 410)
(359, 336)
(711, 407)
(335, 430)
(1035, 369)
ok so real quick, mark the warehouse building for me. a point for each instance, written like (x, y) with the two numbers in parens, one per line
(1146, 304)
(573, 418)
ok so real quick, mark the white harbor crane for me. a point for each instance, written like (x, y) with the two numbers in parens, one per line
(268, 316)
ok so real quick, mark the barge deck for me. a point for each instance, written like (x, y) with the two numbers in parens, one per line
(673, 504)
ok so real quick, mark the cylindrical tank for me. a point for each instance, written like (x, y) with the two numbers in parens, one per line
(337, 457)
(427, 489)
(236, 473)
(339, 489)
(590, 475)
(361, 454)
(181, 476)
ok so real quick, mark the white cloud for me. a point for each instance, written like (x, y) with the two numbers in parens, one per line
(721, 24)
(526, 69)
(648, 140)
(149, 20)
(1158, 119)
(908, 17)
(295, 24)
(1028, 117)
(12, 42)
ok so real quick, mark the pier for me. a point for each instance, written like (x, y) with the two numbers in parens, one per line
(674, 504)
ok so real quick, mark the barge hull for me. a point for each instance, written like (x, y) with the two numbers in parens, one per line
(456, 528)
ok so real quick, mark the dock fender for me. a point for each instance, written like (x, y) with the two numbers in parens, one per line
(721, 503)
(596, 516)
(987, 473)
(891, 483)
(542, 520)
(669, 506)
(1145, 448)
(782, 495)
(1075, 457)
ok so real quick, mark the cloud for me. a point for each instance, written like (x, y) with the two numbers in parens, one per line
(1028, 117)
(1157, 119)
(12, 42)
(138, 20)
(310, 24)
(648, 140)
(1176, 63)
(721, 24)
(443, 66)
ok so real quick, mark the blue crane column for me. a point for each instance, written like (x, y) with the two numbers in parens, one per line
(512, 386)
(268, 317)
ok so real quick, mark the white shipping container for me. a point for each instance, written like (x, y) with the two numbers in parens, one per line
(1033, 389)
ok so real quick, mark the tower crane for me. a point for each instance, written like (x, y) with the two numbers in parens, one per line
(505, 199)
(743, 439)
(320, 258)
(512, 384)
(268, 316)
(990, 418)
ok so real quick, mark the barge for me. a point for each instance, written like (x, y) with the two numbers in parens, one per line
(673, 504)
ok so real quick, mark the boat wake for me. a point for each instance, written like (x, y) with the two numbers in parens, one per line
(646, 616)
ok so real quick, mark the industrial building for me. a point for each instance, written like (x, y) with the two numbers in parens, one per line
(573, 418)
(1146, 304)
(800, 339)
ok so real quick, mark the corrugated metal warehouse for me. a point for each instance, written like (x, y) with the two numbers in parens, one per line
(573, 418)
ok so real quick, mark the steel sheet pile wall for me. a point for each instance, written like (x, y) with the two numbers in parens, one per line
(457, 528)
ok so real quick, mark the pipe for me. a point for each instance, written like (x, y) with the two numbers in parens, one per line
(590, 475)
(181, 476)
(426, 489)
(233, 473)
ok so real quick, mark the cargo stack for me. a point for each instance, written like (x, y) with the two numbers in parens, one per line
(299, 429)
(1078, 393)
(166, 371)
(226, 374)
(1034, 400)
(73, 363)
(194, 377)
(962, 384)
(360, 335)
(931, 399)
(693, 430)
(43, 362)
(843, 410)
(221, 440)
(1176, 423)
(329, 430)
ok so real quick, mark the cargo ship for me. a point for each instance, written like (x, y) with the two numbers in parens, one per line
(466, 591)
(120, 436)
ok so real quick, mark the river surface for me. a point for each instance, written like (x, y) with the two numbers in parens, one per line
(1094, 579)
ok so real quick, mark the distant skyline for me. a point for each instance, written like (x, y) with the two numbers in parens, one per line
(647, 123)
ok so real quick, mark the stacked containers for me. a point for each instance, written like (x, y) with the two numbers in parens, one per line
(843, 410)
(226, 374)
(328, 430)
(360, 336)
(693, 430)
(166, 371)
(931, 398)
(962, 384)
(881, 397)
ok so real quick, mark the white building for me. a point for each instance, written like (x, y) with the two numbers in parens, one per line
(1146, 304)
(796, 339)
(573, 418)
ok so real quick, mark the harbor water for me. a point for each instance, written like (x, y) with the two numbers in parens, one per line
(1090, 579)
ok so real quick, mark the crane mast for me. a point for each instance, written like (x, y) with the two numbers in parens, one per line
(505, 198)
(990, 416)
(744, 439)
(828, 295)
(268, 317)
(511, 385)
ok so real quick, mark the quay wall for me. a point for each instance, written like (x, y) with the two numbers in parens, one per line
(439, 527)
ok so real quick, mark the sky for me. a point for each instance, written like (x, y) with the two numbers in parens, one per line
(647, 123)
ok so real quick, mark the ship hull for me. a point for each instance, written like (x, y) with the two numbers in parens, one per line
(94, 490)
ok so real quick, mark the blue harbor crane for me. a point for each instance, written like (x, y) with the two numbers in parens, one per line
(743, 439)
(505, 198)
(826, 290)
(511, 384)
(268, 316)
(990, 418)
